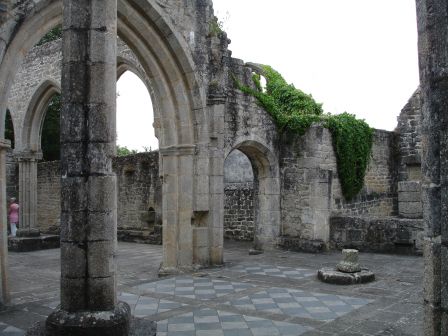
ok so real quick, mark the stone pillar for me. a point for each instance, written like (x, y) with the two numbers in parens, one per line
(4, 290)
(28, 192)
(88, 185)
(432, 17)
(177, 168)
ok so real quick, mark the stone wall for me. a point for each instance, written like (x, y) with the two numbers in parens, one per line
(238, 197)
(379, 195)
(377, 234)
(410, 139)
(311, 191)
(239, 211)
(49, 197)
(410, 147)
(139, 197)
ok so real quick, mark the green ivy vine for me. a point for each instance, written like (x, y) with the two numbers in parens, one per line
(296, 111)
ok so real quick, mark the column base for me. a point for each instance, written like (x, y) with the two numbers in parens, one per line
(113, 323)
(139, 327)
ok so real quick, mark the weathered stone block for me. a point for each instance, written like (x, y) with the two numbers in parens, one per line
(71, 300)
(409, 197)
(73, 194)
(102, 225)
(75, 260)
(410, 209)
(101, 259)
(432, 280)
(73, 114)
(101, 293)
(102, 123)
(102, 193)
(409, 186)
(74, 226)
(76, 14)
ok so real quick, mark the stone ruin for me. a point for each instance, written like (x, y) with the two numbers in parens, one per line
(292, 200)
(385, 217)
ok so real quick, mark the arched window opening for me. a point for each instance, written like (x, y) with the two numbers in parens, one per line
(9, 128)
(135, 116)
(50, 143)
(239, 196)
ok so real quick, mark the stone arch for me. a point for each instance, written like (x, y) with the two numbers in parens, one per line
(163, 54)
(167, 61)
(35, 116)
(266, 190)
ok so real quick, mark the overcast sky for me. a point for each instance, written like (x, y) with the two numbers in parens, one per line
(358, 56)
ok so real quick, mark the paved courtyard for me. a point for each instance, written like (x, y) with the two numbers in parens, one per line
(276, 293)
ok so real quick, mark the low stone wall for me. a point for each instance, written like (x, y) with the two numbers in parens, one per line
(239, 211)
(139, 197)
(311, 191)
(385, 235)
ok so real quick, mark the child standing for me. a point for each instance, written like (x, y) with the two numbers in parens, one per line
(13, 214)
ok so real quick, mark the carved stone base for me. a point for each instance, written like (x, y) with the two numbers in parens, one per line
(139, 327)
(333, 276)
(113, 323)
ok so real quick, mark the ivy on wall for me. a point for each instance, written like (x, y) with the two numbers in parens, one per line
(52, 35)
(296, 111)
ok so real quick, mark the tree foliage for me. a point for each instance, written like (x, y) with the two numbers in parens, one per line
(50, 142)
(9, 128)
(296, 111)
(124, 151)
(52, 35)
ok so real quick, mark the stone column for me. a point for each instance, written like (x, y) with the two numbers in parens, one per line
(4, 290)
(177, 167)
(88, 185)
(432, 17)
(28, 192)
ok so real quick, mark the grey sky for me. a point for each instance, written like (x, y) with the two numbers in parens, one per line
(358, 56)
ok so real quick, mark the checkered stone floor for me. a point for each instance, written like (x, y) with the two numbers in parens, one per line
(6, 330)
(194, 287)
(142, 306)
(298, 303)
(276, 271)
(210, 322)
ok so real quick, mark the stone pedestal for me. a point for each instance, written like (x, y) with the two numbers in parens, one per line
(111, 323)
(349, 263)
(88, 186)
(347, 272)
(28, 190)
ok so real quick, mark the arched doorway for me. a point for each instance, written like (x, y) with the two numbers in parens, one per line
(137, 162)
(266, 193)
(170, 69)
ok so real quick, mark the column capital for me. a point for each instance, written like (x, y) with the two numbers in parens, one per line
(5, 144)
(179, 150)
(28, 155)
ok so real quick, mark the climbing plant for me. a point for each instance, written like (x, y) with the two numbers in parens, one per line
(296, 111)
(52, 35)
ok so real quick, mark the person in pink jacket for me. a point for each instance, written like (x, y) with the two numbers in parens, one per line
(13, 214)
